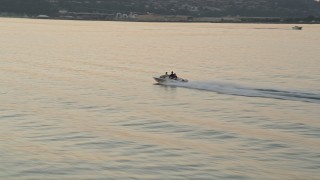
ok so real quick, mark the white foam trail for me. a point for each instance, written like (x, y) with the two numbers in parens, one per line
(249, 91)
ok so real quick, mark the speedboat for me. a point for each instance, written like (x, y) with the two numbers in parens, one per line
(297, 27)
(168, 79)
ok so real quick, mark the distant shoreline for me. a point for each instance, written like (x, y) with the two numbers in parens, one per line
(236, 20)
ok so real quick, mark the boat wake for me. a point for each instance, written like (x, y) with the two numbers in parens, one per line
(249, 91)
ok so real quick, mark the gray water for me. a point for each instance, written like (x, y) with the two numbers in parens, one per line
(77, 100)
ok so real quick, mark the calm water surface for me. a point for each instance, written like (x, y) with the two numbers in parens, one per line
(77, 101)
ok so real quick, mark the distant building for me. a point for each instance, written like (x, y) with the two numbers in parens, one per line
(43, 16)
(124, 16)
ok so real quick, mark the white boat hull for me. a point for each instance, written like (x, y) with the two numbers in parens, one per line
(166, 79)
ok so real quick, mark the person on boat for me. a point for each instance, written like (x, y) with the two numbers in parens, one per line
(171, 75)
(164, 76)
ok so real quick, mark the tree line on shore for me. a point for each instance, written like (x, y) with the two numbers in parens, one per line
(194, 8)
